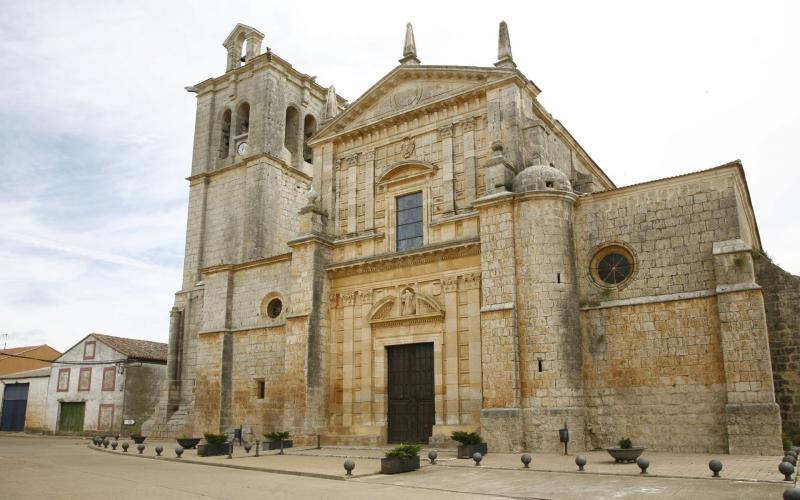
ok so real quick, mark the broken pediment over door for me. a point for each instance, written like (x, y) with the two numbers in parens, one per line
(409, 307)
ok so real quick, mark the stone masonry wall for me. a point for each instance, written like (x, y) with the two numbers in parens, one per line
(654, 373)
(782, 304)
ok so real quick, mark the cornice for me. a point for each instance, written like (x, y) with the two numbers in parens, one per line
(247, 265)
(431, 253)
(288, 169)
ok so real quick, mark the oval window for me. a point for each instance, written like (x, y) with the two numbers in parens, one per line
(274, 308)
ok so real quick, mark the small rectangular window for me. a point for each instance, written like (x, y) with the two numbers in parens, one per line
(88, 349)
(409, 221)
(261, 390)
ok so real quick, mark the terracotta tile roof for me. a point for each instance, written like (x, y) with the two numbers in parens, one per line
(37, 373)
(18, 350)
(144, 350)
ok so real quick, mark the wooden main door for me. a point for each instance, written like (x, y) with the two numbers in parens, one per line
(411, 396)
(15, 402)
(71, 418)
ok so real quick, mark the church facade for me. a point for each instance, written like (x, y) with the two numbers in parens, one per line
(442, 255)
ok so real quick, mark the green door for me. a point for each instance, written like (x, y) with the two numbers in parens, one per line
(71, 419)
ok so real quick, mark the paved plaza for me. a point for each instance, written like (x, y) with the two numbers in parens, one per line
(36, 467)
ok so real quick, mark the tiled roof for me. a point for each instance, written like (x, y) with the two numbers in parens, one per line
(144, 350)
(39, 372)
(18, 350)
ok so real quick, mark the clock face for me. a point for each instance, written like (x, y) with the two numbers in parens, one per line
(242, 148)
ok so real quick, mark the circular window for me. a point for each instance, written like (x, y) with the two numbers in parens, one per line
(612, 266)
(274, 308)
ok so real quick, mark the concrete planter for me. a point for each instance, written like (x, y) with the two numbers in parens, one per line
(276, 445)
(396, 465)
(138, 439)
(622, 455)
(467, 450)
(213, 450)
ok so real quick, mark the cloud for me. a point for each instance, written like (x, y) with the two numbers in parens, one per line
(96, 130)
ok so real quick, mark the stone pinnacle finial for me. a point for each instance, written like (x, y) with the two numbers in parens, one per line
(409, 47)
(331, 109)
(504, 59)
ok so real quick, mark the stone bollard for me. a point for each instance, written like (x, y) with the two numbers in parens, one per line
(526, 460)
(178, 451)
(432, 455)
(792, 494)
(715, 466)
(580, 461)
(140, 447)
(349, 465)
(643, 464)
(114, 444)
(248, 447)
(105, 442)
(125, 446)
(792, 460)
(787, 470)
(258, 445)
(477, 457)
(159, 449)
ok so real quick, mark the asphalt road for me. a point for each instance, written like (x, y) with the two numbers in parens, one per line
(57, 468)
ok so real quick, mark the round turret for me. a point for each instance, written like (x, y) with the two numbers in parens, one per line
(541, 178)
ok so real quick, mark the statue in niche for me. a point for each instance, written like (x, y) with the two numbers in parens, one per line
(408, 306)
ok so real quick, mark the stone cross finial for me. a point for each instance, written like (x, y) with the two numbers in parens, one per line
(331, 109)
(409, 47)
(504, 58)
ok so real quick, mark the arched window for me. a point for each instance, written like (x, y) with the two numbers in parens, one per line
(291, 131)
(309, 127)
(225, 140)
(242, 119)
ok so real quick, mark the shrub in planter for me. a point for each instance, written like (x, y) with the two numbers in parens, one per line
(401, 458)
(471, 442)
(187, 443)
(274, 440)
(216, 444)
(625, 451)
(138, 438)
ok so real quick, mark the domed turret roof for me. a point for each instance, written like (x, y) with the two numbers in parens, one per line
(541, 178)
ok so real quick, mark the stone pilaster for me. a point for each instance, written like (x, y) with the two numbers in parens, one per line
(451, 399)
(470, 163)
(448, 197)
(369, 191)
(352, 193)
(753, 417)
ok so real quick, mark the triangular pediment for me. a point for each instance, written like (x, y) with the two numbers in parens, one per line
(408, 88)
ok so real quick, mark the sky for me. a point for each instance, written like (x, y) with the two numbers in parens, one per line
(96, 128)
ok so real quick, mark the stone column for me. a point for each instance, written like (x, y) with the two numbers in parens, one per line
(446, 136)
(753, 417)
(348, 302)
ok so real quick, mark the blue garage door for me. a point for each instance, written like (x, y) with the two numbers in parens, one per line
(15, 402)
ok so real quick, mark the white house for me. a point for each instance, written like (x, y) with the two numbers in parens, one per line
(105, 384)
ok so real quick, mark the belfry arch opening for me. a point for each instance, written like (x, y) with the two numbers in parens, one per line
(225, 134)
(309, 128)
(243, 119)
(291, 130)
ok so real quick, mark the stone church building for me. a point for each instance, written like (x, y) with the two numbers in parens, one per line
(441, 254)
